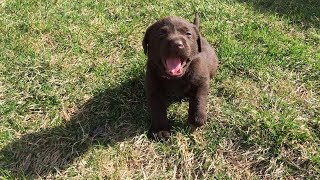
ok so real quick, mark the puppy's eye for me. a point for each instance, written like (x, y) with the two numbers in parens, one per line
(162, 33)
(188, 34)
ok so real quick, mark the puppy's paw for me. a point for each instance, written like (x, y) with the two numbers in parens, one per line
(160, 135)
(193, 127)
(198, 120)
(163, 135)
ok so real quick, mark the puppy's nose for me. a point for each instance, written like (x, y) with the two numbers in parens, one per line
(178, 44)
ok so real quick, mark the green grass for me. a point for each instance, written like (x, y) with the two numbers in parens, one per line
(72, 101)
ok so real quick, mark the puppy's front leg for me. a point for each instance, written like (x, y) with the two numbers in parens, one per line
(157, 102)
(159, 121)
(197, 105)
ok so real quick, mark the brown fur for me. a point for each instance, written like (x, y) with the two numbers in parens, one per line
(160, 42)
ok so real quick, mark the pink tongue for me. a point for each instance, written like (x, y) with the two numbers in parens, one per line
(174, 66)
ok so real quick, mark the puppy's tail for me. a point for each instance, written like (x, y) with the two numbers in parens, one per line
(196, 20)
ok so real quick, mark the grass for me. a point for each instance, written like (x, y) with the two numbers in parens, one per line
(72, 102)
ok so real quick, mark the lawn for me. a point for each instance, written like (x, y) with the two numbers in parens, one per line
(72, 99)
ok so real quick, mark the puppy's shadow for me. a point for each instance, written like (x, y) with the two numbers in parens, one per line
(109, 117)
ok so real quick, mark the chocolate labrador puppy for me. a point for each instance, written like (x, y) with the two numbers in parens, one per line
(180, 64)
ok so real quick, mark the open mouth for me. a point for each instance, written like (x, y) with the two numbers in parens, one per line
(174, 66)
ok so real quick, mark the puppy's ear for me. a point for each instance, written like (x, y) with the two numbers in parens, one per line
(196, 23)
(145, 42)
(198, 40)
(196, 20)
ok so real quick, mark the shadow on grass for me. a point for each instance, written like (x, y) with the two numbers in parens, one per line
(301, 12)
(114, 115)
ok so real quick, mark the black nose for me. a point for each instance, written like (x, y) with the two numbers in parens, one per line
(177, 44)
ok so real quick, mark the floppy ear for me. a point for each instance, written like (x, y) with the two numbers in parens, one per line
(196, 23)
(145, 41)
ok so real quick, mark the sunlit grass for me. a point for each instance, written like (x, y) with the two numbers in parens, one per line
(72, 98)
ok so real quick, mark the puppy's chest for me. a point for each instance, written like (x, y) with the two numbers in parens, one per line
(176, 88)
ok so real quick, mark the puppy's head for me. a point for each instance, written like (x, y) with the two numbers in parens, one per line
(170, 44)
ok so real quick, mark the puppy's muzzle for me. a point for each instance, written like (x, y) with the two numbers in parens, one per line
(177, 47)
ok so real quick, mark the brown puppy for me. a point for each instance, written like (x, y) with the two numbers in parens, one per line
(180, 64)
